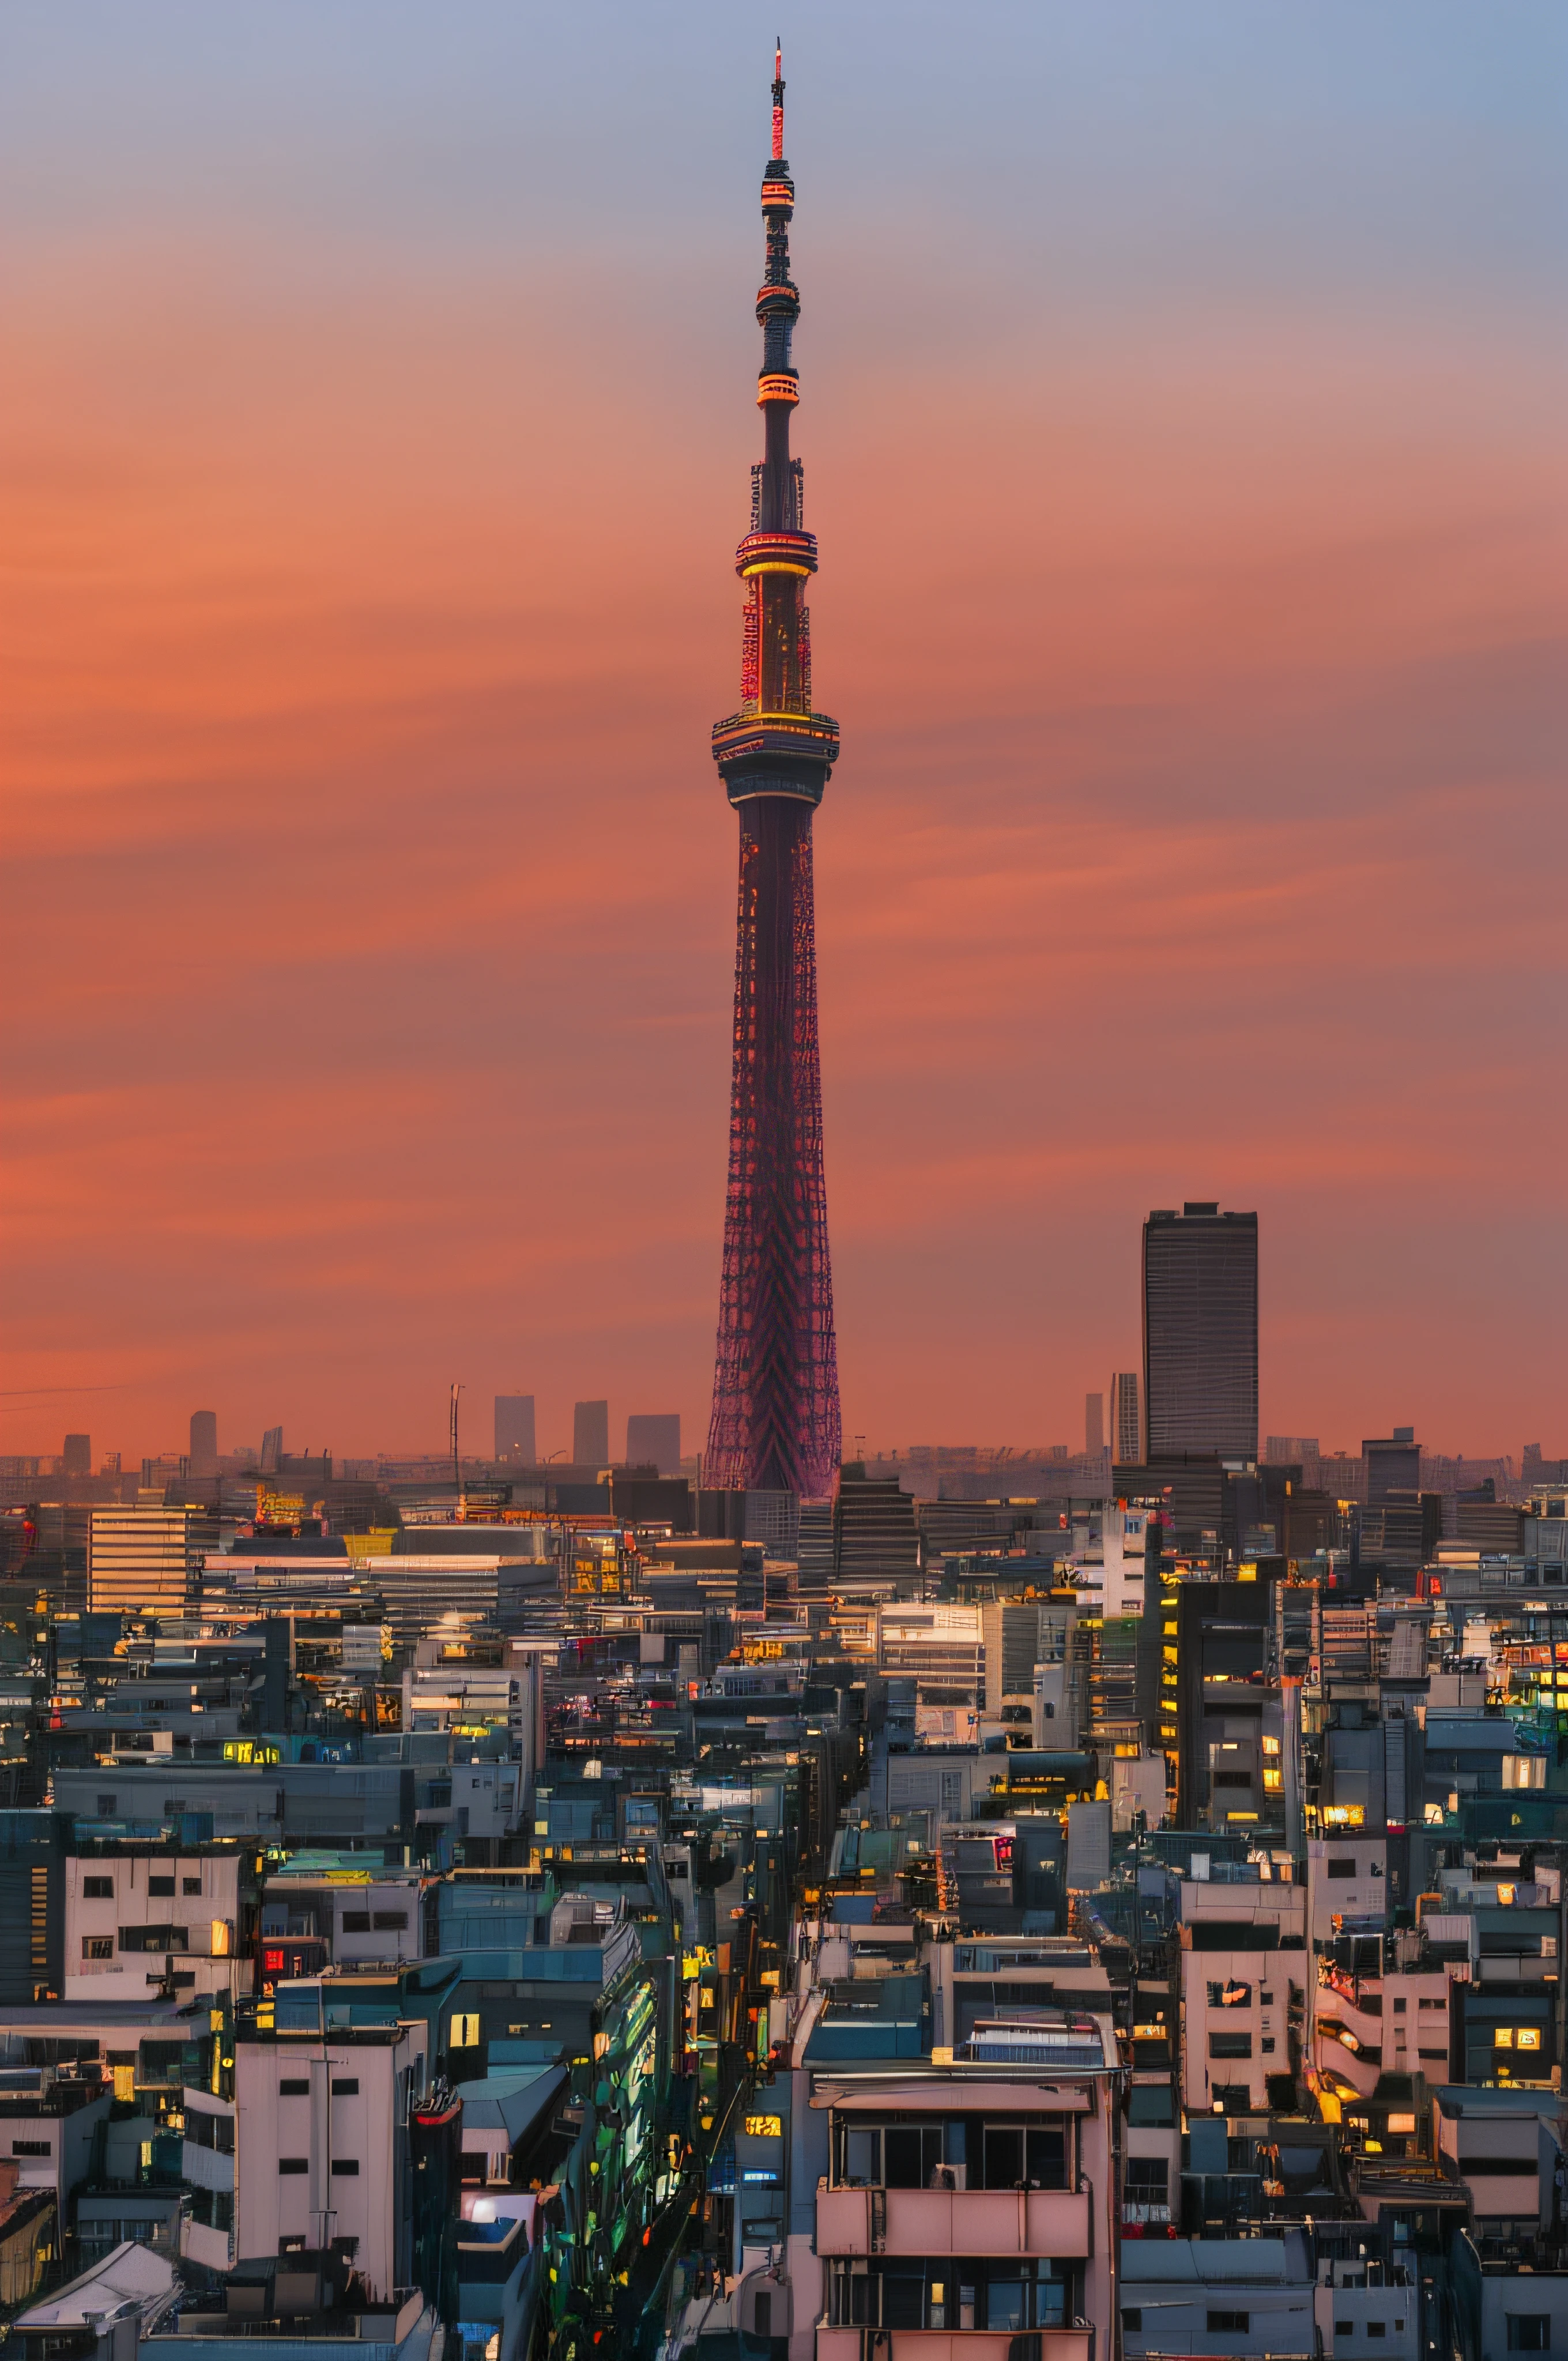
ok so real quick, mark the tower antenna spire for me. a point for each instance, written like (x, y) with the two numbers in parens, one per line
(776, 1424)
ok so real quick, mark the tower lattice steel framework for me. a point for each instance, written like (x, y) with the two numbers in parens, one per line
(775, 1424)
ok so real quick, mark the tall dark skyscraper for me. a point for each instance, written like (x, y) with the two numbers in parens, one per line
(1200, 1333)
(776, 1423)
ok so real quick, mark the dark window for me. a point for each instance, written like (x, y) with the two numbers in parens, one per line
(911, 2153)
(388, 1919)
(1147, 2179)
(904, 2296)
(1529, 2332)
(106, 1807)
(1266, 2045)
(1344, 2328)
(1023, 2294)
(1035, 2154)
(357, 1922)
(1377, 2328)
(30, 2148)
(294, 2086)
(211, 2131)
(1131, 2316)
(346, 2167)
(191, 1884)
(97, 1947)
(1230, 2045)
(98, 1889)
(1400, 2006)
(1229, 2323)
(161, 1886)
(1233, 1778)
(1342, 1868)
(345, 2086)
(1151, 2103)
(293, 2164)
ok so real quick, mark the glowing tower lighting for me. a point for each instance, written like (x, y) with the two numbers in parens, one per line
(776, 1423)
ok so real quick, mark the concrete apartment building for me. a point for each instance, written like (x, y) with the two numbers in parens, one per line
(1245, 1973)
(131, 1913)
(321, 2152)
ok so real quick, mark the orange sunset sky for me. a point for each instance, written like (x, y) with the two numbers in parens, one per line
(1183, 402)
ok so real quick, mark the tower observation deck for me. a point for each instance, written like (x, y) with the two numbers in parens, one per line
(776, 1423)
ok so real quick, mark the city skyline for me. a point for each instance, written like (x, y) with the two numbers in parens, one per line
(1236, 758)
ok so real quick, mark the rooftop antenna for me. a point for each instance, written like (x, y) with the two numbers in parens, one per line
(455, 1391)
(778, 99)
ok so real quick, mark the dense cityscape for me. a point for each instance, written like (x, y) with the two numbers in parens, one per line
(1013, 1908)
(768, 1902)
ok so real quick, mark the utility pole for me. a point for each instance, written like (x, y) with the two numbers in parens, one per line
(457, 1479)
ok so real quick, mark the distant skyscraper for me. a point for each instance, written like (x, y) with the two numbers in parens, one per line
(1393, 1463)
(77, 1459)
(1200, 1333)
(203, 1445)
(590, 1434)
(271, 1450)
(1127, 1426)
(1093, 1425)
(514, 1429)
(1290, 1450)
(654, 1436)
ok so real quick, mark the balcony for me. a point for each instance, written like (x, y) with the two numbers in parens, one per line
(955, 2222)
(955, 2345)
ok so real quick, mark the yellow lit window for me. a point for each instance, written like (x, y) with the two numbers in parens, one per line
(1271, 1746)
(1527, 2037)
(1503, 2038)
(464, 2032)
(1273, 1778)
(764, 2127)
(1168, 1631)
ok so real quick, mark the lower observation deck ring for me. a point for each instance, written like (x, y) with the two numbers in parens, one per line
(775, 755)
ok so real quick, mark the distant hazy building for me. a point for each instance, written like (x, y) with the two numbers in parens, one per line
(1093, 1425)
(515, 1436)
(1393, 1463)
(1290, 1450)
(1126, 1423)
(77, 1457)
(1200, 1333)
(146, 1559)
(653, 1437)
(590, 1434)
(204, 1465)
(271, 1450)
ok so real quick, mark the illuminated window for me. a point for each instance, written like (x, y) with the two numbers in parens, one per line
(1503, 2037)
(1272, 1778)
(764, 2126)
(1527, 2037)
(1271, 1746)
(464, 2032)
